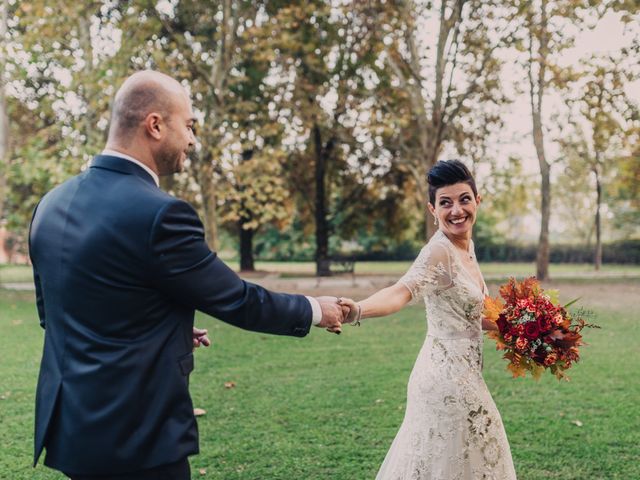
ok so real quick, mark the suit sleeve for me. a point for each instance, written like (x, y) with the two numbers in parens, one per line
(189, 272)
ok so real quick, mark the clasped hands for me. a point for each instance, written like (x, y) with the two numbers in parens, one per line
(337, 311)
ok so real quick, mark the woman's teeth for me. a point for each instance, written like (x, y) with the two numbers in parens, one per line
(458, 220)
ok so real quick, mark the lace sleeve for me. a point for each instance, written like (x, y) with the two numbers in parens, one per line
(430, 271)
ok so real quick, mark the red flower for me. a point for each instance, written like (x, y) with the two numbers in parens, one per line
(502, 324)
(544, 323)
(531, 330)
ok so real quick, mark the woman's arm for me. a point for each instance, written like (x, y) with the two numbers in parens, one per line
(382, 303)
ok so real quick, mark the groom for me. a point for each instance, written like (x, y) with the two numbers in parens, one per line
(120, 268)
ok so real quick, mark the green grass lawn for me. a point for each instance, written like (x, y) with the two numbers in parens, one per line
(327, 406)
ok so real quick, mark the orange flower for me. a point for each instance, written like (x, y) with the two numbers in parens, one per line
(558, 319)
(550, 359)
(521, 343)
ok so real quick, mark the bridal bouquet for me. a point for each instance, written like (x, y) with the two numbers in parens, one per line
(534, 330)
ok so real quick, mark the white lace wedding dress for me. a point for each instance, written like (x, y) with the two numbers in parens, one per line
(452, 429)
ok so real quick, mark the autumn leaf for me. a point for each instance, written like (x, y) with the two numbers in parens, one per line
(229, 384)
(507, 291)
(517, 370)
(495, 335)
(537, 371)
(492, 308)
(198, 412)
(529, 287)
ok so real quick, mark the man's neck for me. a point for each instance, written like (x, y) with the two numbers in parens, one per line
(140, 155)
(127, 154)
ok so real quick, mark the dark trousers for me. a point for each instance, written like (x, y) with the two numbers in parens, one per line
(173, 471)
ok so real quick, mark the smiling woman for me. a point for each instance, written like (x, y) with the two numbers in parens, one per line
(452, 428)
(453, 201)
(453, 198)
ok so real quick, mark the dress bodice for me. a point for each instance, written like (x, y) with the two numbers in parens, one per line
(452, 295)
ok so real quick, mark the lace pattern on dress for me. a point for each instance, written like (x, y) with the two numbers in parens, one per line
(431, 271)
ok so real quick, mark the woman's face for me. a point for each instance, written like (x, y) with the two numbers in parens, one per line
(455, 209)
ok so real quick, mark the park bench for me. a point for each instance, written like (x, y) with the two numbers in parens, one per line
(342, 264)
(339, 264)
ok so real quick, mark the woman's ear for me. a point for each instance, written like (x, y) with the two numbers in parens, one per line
(431, 209)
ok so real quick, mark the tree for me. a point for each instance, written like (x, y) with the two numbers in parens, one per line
(625, 189)
(205, 46)
(323, 57)
(549, 28)
(438, 87)
(605, 117)
(507, 200)
(63, 76)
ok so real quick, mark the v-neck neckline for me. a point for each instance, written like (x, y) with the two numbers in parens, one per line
(458, 254)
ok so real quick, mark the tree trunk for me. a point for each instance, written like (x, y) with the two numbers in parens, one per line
(536, 92)
(542, 258)
(322, 226)
(597, 261)
(4, 123)
(246, 248)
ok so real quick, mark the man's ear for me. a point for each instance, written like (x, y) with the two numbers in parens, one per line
(153, 125)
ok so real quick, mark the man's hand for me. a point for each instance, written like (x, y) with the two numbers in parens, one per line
(200, 338)
(332, 314)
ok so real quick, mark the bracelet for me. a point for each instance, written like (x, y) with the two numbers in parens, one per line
(356, 322)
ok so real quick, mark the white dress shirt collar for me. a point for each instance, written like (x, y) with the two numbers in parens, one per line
(113, 153)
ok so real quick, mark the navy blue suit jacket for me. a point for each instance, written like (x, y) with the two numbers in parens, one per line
(120, 268)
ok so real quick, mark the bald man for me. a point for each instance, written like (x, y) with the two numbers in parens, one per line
(120, 268)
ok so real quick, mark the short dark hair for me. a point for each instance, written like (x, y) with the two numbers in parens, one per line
(448, 172)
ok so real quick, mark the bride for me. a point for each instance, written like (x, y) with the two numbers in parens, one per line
(452, 428)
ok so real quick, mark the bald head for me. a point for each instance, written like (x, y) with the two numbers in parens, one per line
(142, 93)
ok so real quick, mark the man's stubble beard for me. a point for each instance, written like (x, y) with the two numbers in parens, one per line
(169, 162)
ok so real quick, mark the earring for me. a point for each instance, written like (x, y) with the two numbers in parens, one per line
(435, 221)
